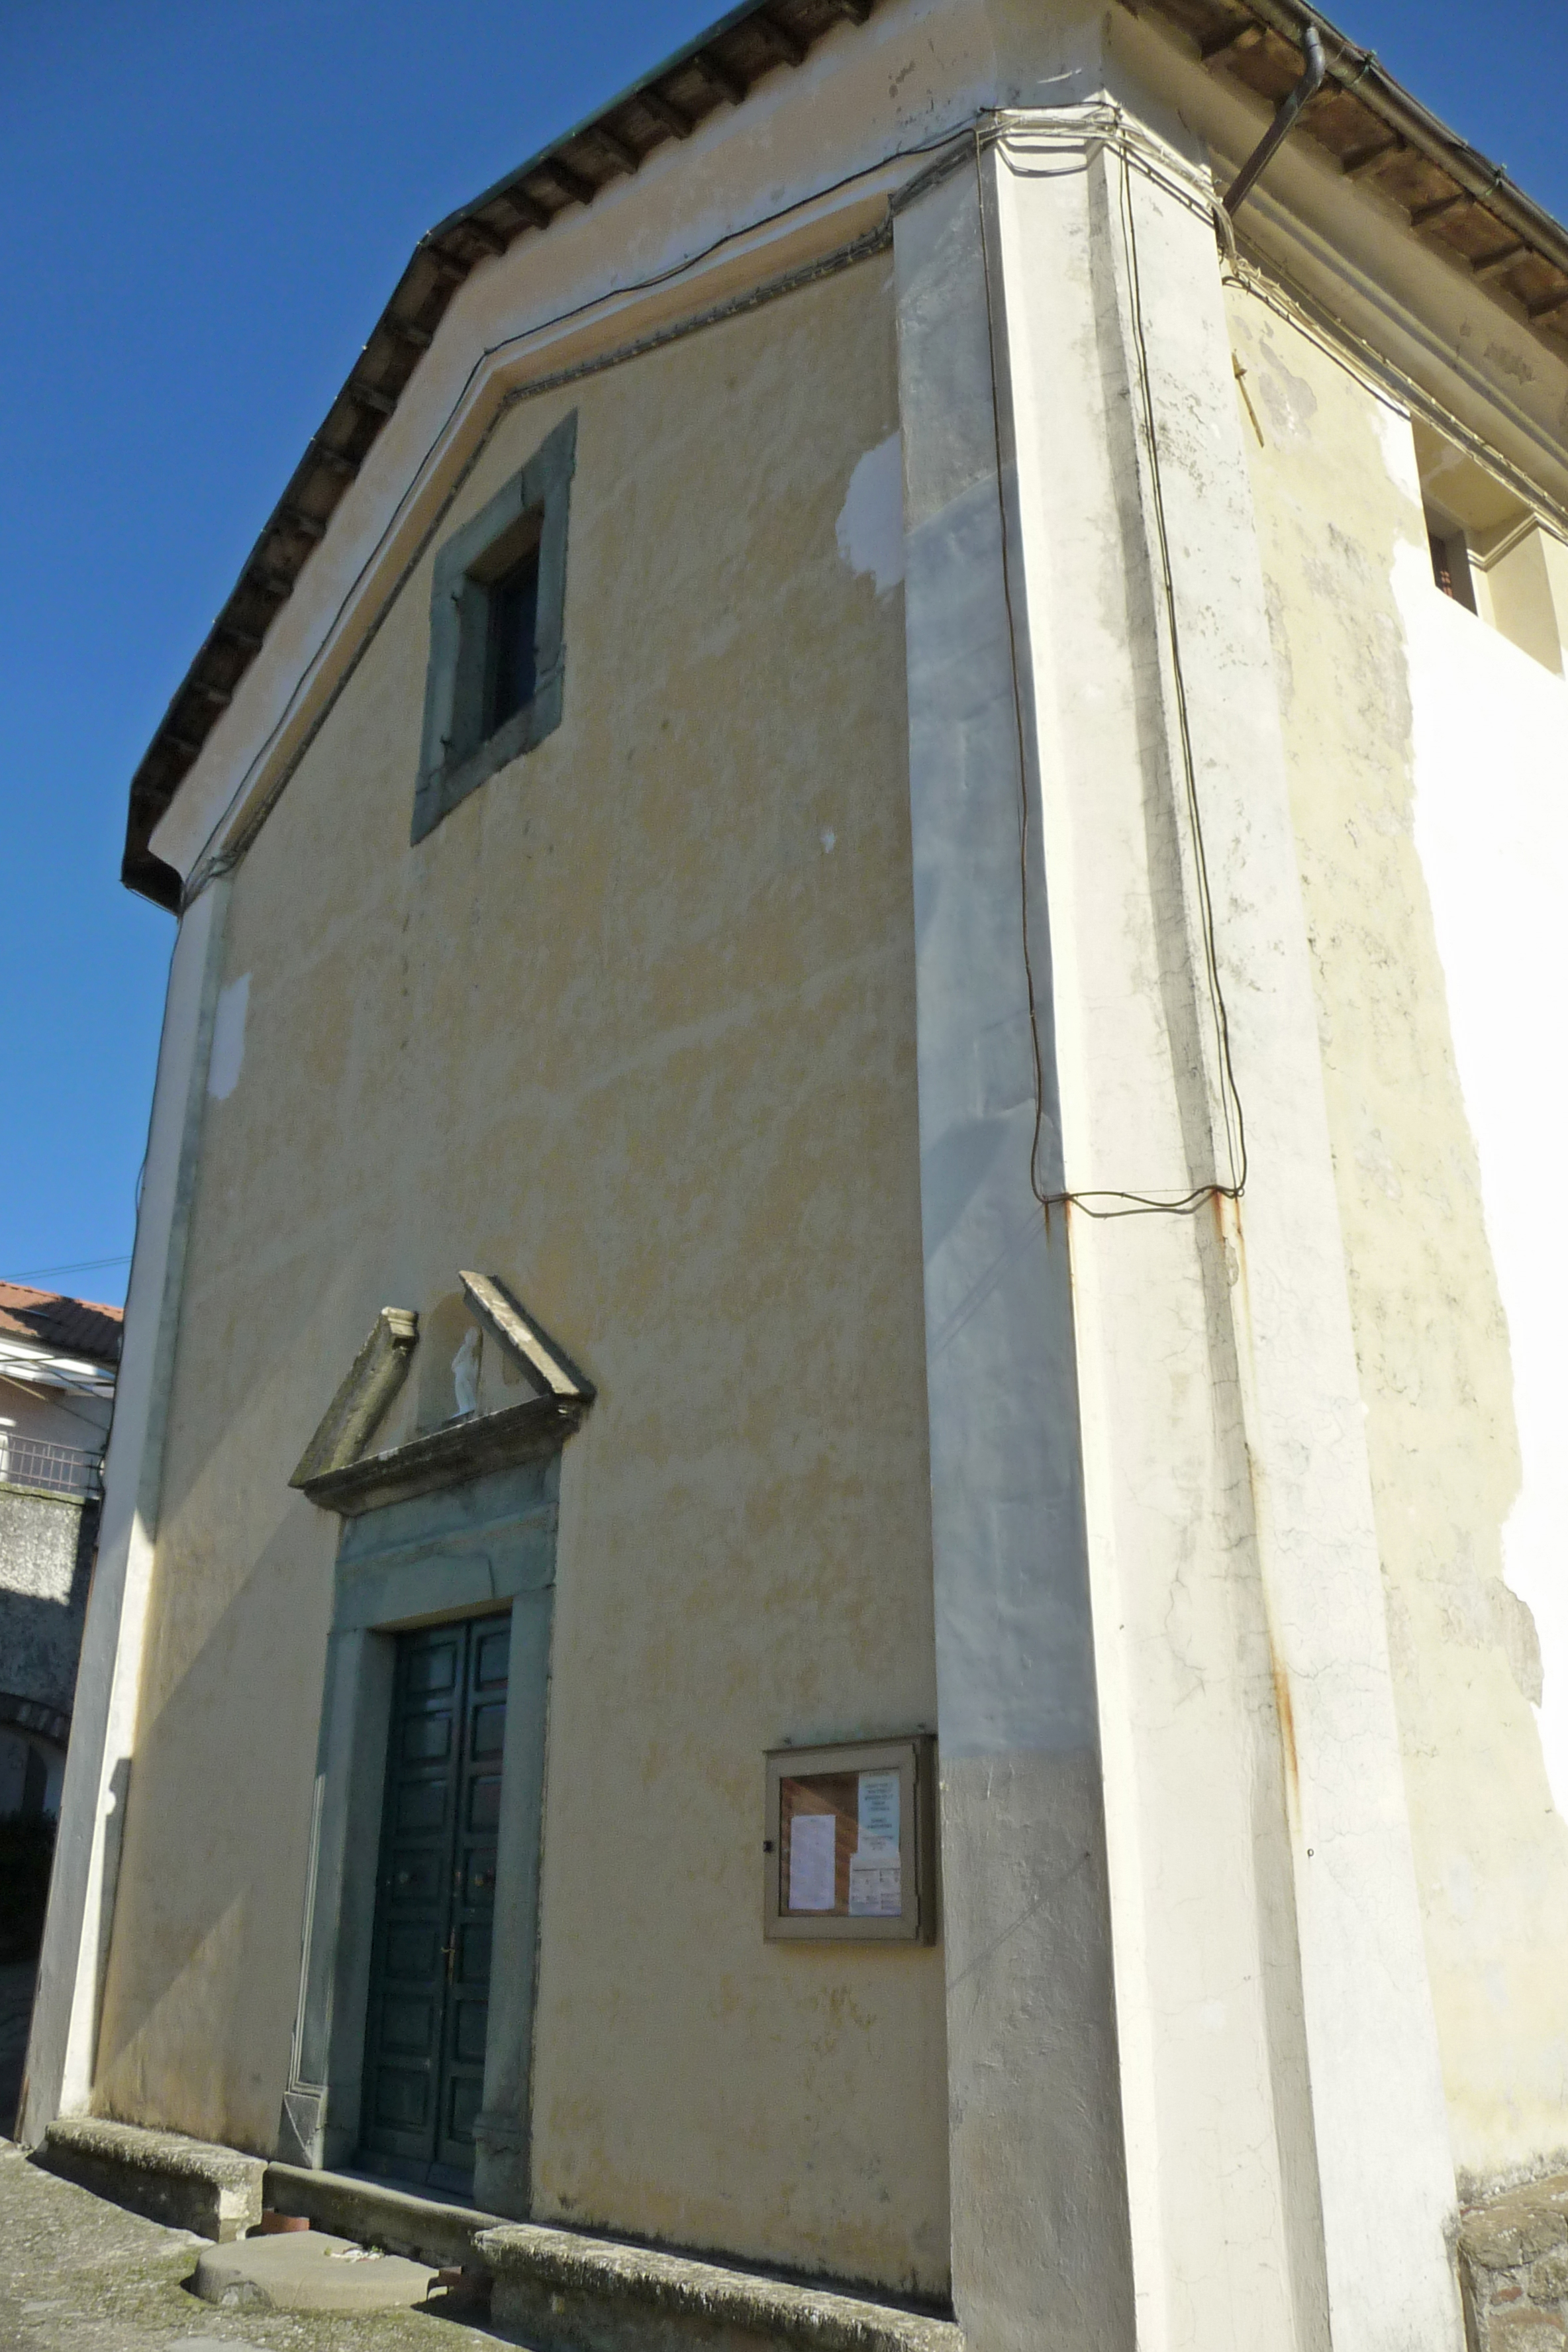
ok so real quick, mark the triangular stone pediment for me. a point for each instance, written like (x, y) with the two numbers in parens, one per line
(337, 1469)
(546, 1367)
(364, 1396)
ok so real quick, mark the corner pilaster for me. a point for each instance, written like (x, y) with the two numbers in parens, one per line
(63, 2046)
(1193, 2059)
(1040, 2243)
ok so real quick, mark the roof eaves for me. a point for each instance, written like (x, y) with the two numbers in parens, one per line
(1453, 197)
(718, 70)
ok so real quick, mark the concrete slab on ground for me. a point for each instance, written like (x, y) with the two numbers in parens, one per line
(79, 2275)
(309, 2271)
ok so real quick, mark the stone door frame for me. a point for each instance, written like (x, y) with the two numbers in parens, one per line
(467, 1549)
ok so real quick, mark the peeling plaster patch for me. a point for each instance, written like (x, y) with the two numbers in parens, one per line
(229, 1039)
(1289, 399)
(1510, 363)
(1518, 1637)
(1279, 643)
(871, 520)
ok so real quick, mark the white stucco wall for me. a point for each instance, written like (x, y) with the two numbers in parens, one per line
(1490, 741)
(1426, 791)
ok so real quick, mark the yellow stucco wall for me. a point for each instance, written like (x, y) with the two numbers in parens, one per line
(635, 1030)
(1432, 1341)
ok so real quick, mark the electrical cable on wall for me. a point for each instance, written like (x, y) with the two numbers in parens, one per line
(1230, 1097)
(950, 147)
(1132, 1203)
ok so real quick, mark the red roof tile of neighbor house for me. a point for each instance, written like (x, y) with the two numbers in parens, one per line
(75, 1327)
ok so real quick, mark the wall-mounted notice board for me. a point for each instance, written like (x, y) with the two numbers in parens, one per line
(849, 1846)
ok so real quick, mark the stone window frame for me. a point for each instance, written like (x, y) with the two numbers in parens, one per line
(456, 755)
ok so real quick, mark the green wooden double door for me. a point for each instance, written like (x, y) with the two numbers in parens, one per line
(431, 1967)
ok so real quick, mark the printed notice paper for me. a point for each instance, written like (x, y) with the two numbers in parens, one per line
(875, 1891)
(878, 1813)
(811, 1837)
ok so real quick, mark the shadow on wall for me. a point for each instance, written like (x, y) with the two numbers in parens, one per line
(205, 1893)
(199, 2001)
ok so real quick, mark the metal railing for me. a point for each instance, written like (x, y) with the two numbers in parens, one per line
(55, 1469)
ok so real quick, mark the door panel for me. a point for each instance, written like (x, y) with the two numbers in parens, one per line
(425, 2047)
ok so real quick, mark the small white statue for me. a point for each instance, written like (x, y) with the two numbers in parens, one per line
(466, 1372)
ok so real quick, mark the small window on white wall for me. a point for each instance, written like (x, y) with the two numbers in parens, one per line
(1491, 551)
(1450, 557)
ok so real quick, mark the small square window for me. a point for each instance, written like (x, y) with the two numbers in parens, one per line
(493, 688)
(1491, 550)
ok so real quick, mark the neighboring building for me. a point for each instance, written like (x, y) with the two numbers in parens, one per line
(58, 1357)
(859, 1053)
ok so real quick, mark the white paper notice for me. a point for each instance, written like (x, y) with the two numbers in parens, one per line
(811, 1840)
(875, 1888)
(878, 1813)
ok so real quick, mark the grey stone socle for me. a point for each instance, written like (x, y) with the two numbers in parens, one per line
(564, 2293)
(187, 2183)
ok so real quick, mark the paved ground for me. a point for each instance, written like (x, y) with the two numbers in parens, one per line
(80, 2275)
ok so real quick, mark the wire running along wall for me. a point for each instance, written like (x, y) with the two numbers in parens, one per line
(1111, 1202)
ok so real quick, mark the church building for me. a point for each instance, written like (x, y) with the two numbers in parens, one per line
(833, 1548)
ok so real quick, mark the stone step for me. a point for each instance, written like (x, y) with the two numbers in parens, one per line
(189, 2184)
(558, 2290)
(425, 2229)
(309, 2270)
(562, 2292)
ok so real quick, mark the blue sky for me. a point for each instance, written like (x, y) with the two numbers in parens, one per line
(206, 206)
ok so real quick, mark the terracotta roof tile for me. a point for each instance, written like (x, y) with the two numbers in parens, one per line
(75, 1327)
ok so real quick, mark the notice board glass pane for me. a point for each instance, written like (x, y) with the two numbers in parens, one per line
(849, 1850)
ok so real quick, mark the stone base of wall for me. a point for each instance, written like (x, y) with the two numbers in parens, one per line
(185, 2183)
(563, 2292)
(1513, 2270)
(555, 2289)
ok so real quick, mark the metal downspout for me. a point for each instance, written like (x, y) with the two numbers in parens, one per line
(1278, 130)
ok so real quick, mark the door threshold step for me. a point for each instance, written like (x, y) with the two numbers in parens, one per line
(380, 2213)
